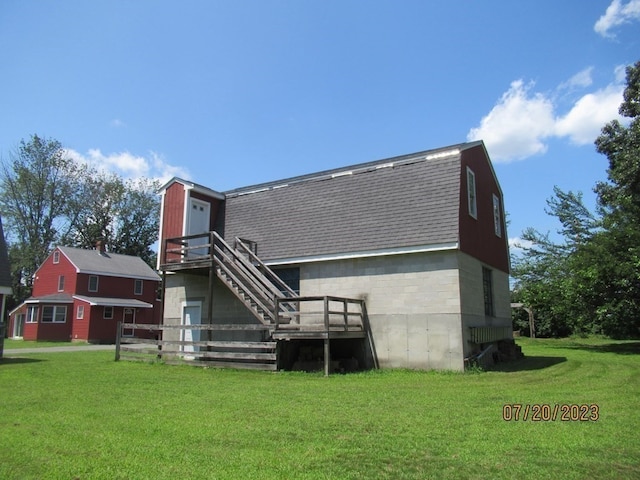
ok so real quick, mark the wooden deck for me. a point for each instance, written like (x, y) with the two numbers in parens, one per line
(279, 311)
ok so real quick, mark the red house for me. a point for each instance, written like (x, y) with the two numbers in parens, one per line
(81, 295)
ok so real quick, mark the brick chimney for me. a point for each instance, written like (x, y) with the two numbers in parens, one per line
(100, 247)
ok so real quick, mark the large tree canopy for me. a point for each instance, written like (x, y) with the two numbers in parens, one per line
(48, 199)
(590, 281)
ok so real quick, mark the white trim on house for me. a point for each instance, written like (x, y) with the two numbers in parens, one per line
(113, 302)
(364, 254)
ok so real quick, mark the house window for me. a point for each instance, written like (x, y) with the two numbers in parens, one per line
(487, 288)
(108, 313)
(471, 193)
(56, 256)
(61, 283)
(80, 312)
(51, 314)
(32, 314)
(497, 218)
(290, 276)
(137, 288)
(93, 283)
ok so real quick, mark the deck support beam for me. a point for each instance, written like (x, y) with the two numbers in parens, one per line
(327, 356)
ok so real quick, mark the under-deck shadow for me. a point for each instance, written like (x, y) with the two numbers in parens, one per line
(4, 361)
(527, 363)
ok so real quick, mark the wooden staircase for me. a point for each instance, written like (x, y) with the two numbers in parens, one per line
(253, 282)
(276, 307)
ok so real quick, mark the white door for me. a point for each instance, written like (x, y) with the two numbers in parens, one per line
(191, 315)
(128, 316)
(199, 218)
(18, 326)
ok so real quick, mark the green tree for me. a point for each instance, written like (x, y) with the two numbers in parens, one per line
(124, 215)
(39, 189)
(590, 281)
(46, 198)
(619, 199)
(544, 272)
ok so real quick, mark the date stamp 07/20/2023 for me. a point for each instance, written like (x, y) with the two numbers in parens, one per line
(544, 412)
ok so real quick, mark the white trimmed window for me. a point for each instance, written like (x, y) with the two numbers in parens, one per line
(137, 288)
(32, 314)
(61, 283)
(80, 312)
(56, 256)
(108, 313)
(471, 194)
(54, 314)
(93, 283)
(497, 217)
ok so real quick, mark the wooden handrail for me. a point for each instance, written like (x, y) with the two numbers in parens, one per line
(326, 312)
(275, 278)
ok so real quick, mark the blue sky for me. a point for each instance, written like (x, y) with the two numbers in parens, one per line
(233, 93)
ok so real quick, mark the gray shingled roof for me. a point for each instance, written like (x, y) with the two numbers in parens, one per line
(111, 264)
(401, 202)
(5, 271)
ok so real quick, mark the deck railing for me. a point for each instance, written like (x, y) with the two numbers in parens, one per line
(321, 313)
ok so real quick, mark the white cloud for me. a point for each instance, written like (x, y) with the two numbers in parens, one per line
(117, 123)
(523, 121)
(517, 244)
(517, 125)
(589, 114)
(617, 14)
(128, 165)
(581, 79)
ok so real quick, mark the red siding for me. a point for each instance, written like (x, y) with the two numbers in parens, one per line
(117, 287)
(172, 216)
(477, 237)
(46, 280)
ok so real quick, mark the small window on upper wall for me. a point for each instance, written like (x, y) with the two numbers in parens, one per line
(137, 289)
(56, 256)
(61, 283)
(497, 217)
(93, 283)
(471, 193)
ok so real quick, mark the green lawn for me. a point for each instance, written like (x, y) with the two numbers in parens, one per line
(80, 415)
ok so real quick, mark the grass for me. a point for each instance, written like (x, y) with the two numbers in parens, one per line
(80, 415)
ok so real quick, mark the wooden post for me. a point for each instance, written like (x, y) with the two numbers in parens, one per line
(327, 356)
(118, 341)
(532, 327)
(327, 349)
(346, 314)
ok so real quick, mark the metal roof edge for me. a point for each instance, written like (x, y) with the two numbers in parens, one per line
(364, 254)
(425, 155)
(191, 186)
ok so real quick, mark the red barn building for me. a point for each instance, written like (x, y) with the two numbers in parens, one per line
(82, 295)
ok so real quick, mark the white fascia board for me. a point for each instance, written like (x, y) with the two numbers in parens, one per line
(370, 253)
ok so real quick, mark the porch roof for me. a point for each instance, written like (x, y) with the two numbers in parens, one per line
(113, 302)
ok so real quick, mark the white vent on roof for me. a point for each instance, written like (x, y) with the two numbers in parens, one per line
(253, 191)
(386, 165)
(342, 174)
(446, 153)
